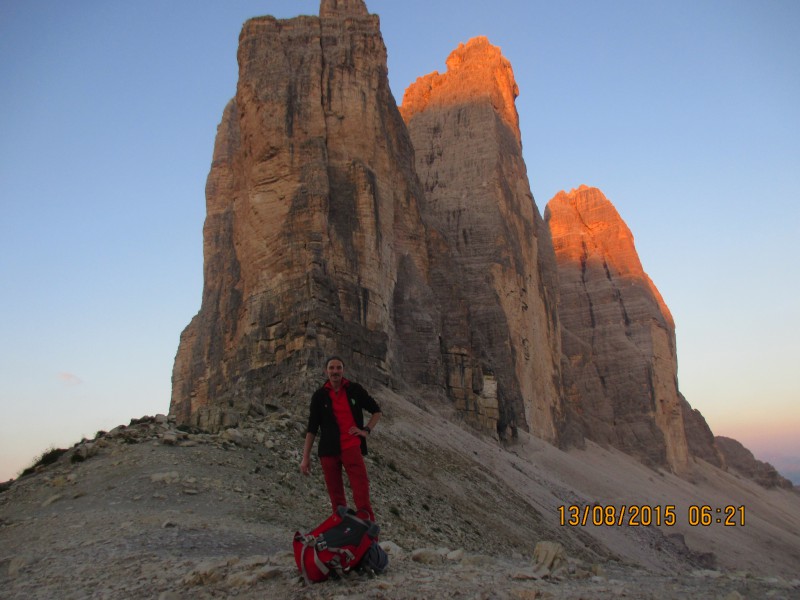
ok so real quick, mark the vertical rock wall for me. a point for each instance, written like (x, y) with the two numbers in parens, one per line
(313, 242)
(492, 264)
(618, 338)
(416, 251)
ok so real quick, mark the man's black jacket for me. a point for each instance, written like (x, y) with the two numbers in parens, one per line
(320, 416)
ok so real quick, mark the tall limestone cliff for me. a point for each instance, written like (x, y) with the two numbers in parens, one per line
(313, 242)
(618, 338)
(409, 242)
(492, 263)
(320, 238)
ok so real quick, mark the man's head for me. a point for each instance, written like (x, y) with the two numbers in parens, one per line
(334, 368)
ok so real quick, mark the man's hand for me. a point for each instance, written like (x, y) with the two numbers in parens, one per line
(305, 466)
(359, 432)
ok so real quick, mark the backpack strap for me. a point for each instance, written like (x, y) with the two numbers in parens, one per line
(309, 545)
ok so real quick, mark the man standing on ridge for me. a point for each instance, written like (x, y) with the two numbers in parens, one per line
(337, 410)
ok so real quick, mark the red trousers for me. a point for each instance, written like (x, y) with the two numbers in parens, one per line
(353, 464)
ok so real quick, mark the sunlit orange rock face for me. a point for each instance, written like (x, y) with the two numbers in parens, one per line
(492, 263)
(585, 226)
(618, 337)
(475, 70)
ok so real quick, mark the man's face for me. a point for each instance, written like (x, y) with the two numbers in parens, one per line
(334, 371)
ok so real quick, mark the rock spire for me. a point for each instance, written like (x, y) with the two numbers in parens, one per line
(618, 338)
(476, 71)
(313, 242)
(493, 267)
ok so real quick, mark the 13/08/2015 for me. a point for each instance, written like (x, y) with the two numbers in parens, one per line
(645, 515)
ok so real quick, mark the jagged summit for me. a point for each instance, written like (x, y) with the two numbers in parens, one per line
(343, 8)
(475, 70)
(584, 222)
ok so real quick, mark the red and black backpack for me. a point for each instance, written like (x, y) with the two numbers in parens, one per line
(339, 544)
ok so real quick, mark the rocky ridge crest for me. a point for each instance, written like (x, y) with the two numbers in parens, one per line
(740, 460)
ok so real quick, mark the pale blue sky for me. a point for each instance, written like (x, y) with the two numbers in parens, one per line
(684, 113)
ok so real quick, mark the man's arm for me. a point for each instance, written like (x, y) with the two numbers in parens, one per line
(305, 464)
(369, 426)
(374, 420)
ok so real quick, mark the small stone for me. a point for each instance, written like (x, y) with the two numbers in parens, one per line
(266, 572)
(118, 431)
(234, 436)
(427, 556)
(392, 549)
(524, 594)
(208, 572)
(598, 570)
(52, 499)
(16, 565)
(549, 555)
(86, 450)
(528, 574)
(455, 555)
(170, 477)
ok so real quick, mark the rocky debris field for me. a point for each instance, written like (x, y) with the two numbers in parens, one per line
(152, 511)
